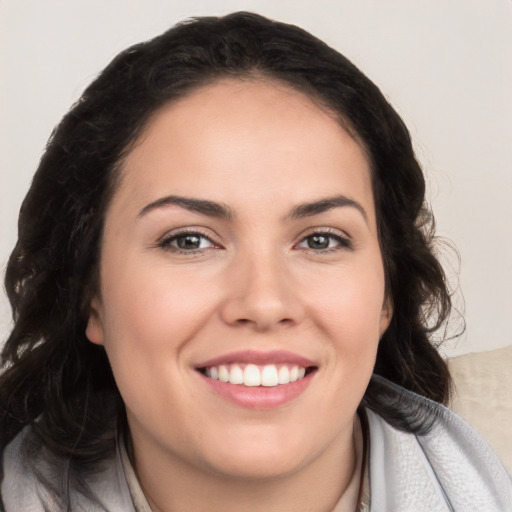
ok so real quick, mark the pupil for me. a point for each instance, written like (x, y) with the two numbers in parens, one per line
(189, 242)
(318, 242)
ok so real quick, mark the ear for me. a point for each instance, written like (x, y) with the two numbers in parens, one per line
(94, 330)
(385, 316)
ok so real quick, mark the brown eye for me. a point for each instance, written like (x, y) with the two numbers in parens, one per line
(324, 241)
(187, 242)
(318, 241)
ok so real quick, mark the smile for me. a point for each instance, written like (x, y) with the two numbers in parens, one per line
(252, 375)
(258, 380)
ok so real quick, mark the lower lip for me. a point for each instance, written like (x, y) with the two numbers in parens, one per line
(259, 397)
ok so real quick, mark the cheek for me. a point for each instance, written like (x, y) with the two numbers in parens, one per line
(348, 308)
(350, 304)
(152, 307)
(149, 315)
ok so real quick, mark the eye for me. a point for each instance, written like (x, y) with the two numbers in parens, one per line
(187, 242)
(322, 241)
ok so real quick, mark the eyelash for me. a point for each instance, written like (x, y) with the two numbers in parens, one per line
(342, 242)
(165, 242)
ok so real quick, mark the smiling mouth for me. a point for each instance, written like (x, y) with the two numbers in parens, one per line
(252, 375)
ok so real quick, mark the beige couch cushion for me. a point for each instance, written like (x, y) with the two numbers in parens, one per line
(483, 396)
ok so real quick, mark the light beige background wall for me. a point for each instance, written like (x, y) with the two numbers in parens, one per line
(444, 64)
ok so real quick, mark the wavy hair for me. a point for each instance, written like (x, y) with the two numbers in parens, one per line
(50, 371)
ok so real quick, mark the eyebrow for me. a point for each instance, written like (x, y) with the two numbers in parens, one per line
(323, 205)
(214, 209)
(202, 206)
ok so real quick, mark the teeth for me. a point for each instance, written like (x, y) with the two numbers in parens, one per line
(223, 373)
(236, 375)
(269, 376)
(284, 375)
(252, 376)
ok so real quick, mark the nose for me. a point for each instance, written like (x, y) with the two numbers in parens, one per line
(260, 294)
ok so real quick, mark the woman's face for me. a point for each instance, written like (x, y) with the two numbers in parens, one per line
(241, 244)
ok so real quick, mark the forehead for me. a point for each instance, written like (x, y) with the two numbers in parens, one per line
(240, 137)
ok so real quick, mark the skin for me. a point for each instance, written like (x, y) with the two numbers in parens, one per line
(260, 149)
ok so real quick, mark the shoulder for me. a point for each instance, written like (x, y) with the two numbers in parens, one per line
(446, 467)
(35, 480)
(20, 486)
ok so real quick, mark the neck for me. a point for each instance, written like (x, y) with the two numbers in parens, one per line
(318, 486)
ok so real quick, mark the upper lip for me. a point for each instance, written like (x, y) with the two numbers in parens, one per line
(258, 358)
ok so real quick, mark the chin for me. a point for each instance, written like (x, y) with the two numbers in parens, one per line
(259, 467)
(261, 455)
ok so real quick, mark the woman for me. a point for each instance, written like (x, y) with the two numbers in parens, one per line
(225, 239)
